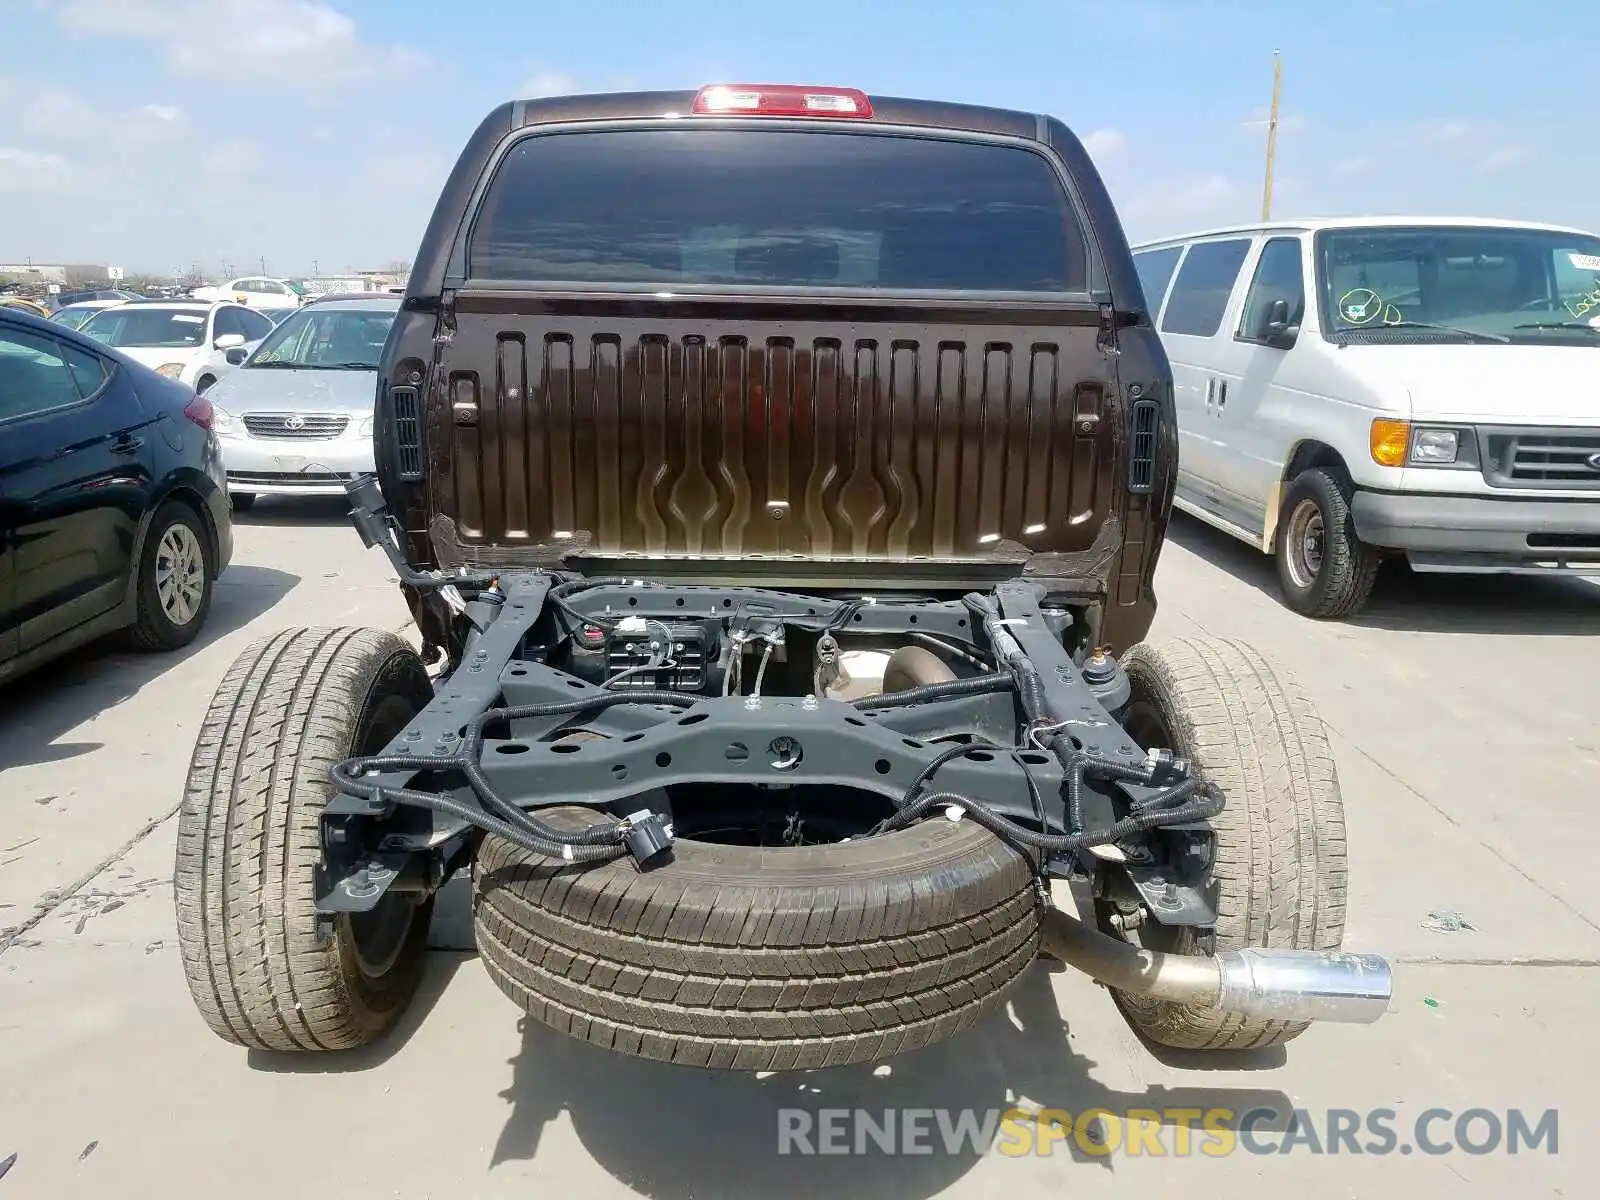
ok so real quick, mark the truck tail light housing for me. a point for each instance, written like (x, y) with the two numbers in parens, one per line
(780, 100)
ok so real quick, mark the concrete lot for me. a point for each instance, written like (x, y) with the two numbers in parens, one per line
(1464, 715)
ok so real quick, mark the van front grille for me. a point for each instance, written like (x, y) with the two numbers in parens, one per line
(1542, 458)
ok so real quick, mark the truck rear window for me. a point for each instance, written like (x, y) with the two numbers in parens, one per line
(777, 208)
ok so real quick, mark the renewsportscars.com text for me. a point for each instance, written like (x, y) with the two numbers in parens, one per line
(1167, 1132)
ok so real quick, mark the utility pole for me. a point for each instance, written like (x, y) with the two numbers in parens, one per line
(263, 264)
(1272, 135)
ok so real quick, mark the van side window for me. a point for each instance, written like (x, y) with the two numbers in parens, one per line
(1155, 269)
(1205, 281)
(1279, 276)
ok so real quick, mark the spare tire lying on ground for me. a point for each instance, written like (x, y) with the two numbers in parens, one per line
(757, 958)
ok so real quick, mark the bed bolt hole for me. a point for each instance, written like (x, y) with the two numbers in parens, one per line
(881, 766)
(511, 748)
(663, 760)
(519, 670)
(913, 618)
(633, 602)
(913, 743)
(619, 771)
(726, 603)
(1035, 760)
(737, 752)
(634, 737)
(576, 683)
(784, 753)
(692, 719)
(854, 721)
(979, 756)
(680, 601)
(566, 748)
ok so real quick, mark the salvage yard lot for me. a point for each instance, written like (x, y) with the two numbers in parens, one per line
(1466, 726)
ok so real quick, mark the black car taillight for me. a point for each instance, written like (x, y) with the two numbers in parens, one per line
(1143, 419)
(199, 411)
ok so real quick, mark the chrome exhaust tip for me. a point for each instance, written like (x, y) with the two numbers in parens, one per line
(1285, 985)
(1305, 985)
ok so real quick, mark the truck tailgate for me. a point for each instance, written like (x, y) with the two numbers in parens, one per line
(699, 431)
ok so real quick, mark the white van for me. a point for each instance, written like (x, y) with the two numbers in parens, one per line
(1353, 389)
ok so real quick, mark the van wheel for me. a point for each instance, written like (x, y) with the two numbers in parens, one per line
(1325, 570)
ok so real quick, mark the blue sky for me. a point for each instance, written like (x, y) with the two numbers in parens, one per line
(155, 133)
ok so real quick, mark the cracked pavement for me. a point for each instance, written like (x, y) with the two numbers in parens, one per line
(1466, 729)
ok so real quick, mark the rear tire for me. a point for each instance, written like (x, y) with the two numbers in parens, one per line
(1325, 570)
(249, 843)
(172, 593)
(1280, 839)
(744, 958)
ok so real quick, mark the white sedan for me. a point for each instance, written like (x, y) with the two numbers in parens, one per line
(195, 342)
(254, 291)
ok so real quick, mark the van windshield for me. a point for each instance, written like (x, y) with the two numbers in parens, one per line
(1389, 285)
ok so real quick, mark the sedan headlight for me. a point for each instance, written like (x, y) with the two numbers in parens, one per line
(224, 422)
(364, 427)
(170, 370)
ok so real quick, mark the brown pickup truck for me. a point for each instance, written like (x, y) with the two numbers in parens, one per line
(777, 477)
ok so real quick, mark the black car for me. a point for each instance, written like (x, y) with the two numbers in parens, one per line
(113, 507)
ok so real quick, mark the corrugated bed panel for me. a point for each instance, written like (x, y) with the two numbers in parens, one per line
(874, 447)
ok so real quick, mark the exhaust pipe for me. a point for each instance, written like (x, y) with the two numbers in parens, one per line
(1284, 985)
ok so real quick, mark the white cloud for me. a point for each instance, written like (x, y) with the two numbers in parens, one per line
(1179, 204)
(1444, 132)
(233, 159)
(1103, 143)
(61, 116)
(1505, 156)
(269, 41)
(29, 170)
(545, 82)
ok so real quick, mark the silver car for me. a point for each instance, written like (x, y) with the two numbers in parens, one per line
(296, 418)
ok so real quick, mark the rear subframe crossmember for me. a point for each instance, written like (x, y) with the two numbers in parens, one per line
(629, 754)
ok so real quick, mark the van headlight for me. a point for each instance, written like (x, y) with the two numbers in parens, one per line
(364, 427)
(1442, 446)
(1435, 445)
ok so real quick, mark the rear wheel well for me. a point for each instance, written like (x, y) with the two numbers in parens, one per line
(1308, 454)
(190, 499)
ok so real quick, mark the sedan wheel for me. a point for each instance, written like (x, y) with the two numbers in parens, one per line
(180, 574)
(175, 580)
